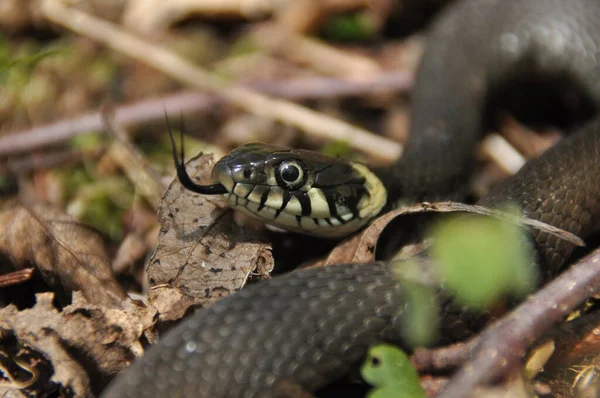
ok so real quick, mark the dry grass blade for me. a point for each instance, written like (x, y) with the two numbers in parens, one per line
(201, 254)
(133, 162)
(68, 254)
(447, 207)
(309, 121)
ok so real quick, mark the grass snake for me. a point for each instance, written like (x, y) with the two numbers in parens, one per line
(309, 327)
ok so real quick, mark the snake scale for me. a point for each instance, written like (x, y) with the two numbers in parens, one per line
(309, 327)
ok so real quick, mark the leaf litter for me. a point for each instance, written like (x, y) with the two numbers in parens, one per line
(68, 254)
(200, 257)
(77, 349)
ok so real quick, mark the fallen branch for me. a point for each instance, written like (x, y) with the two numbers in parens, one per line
(443, 358)
(501, 346)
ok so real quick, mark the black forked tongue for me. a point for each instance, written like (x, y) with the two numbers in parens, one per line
(186, 181)
(184, 177)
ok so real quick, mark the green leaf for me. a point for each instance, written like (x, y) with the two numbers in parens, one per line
(389, 369)
(483, 258)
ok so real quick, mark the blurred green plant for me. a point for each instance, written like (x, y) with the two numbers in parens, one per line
(100, 203)
(389, 370)
(349, 27)
(482, 259)
(88, 141)
(244, 46)
(420, 320)
(337, 149)
(24, 59)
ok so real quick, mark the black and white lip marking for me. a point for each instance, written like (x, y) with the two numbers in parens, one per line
(335, 197)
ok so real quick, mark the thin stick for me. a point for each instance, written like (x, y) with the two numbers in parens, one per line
(188, 102)
(443, 358)
(501, 346)
(125, 115)
(16, 277)
(309, 121)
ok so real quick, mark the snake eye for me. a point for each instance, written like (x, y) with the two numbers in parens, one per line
(248, 174)
(290, 175)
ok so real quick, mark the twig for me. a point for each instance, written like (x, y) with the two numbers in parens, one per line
(48, 160)
(443, 358)
(16, 277)
(328, 87)
(126, 115)
(502, 153)
(320, 56)
(501, 346)
(187, 102)
(309, 121)
(153, 16)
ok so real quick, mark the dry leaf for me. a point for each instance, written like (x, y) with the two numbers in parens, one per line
(68, 254)
(80, 347)
(133, 248)
(201, 255)
(361, 248)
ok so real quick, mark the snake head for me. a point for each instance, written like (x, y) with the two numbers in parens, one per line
(300, 190)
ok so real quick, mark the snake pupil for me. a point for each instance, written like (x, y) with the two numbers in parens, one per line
(290, 173)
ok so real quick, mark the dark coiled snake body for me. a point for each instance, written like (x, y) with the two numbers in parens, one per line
(310, 327)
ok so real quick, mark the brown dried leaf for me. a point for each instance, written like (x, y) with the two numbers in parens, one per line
(361, 248)
(68, 254)
(84, 344)
(133, 248)
(201, 255)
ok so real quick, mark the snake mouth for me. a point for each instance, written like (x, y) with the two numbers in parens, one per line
(295, 190)
(326, 211)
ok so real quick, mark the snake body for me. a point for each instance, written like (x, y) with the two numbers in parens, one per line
(307, 328)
